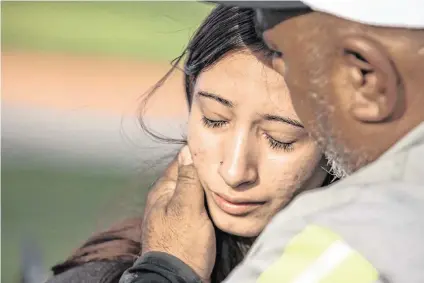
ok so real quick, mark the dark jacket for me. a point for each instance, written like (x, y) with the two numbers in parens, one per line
(95, 272)
(158, 267)
(154, 267)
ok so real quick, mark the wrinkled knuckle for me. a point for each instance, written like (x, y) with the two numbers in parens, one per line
(158, 192)
(160, 184)
(188, 170)
(187, 174)
(169, 185)
(185, 183)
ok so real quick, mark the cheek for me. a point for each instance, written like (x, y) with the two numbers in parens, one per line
(289, 173)
(204, 146)
(196, 142)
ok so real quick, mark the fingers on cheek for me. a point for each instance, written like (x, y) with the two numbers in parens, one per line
(187, 176)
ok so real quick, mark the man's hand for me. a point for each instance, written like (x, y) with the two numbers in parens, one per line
(176, 221)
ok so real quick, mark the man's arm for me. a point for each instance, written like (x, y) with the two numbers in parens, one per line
(159, 267)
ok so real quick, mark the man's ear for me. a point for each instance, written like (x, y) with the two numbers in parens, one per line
(373, 78)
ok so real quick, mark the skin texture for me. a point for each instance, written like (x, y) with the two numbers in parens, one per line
(176, 221)
(248, 156)
(357, 88)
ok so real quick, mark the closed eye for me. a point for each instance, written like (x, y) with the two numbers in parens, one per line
(209, 123)
(279, 145)
(276, 54)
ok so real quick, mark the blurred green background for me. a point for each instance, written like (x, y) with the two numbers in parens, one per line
(58, 205)
(150, 30)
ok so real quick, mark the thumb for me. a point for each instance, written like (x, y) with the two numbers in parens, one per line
(189, 192)
(184, 157)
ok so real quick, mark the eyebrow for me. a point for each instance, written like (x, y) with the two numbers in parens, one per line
(217, 98)
(268, 117)
(286, 120)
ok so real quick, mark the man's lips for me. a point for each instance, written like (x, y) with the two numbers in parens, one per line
(235, 206)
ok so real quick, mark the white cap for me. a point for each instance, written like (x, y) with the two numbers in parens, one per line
(386, 13)
(389, 13)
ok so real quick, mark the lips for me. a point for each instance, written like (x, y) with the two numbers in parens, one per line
(233, 206)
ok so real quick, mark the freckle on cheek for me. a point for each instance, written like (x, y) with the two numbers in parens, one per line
(197, 155)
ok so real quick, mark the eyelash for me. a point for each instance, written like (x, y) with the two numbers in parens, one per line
(274, 144)
(277, 145)
(213, 123)
(276, 54)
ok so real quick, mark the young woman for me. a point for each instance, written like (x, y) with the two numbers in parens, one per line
(251, 151)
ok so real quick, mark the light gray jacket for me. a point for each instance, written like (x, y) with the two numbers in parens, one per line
(368, 227)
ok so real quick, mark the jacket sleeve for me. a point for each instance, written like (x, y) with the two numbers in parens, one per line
(158, 267)
(97, 271)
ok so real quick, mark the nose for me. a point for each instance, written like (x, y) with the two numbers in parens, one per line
(239, 168)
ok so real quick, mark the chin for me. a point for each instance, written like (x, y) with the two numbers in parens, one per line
(236, 226)
(242, 226)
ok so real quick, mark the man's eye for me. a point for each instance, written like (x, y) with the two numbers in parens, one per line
(276, 54)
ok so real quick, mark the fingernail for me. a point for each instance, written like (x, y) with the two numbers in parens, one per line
(185, 156)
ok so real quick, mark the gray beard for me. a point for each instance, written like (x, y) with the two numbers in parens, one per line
(341, 160)
(336, 156)
(336, 169)
(326, 137)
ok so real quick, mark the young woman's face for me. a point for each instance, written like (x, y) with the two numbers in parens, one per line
(248, 145)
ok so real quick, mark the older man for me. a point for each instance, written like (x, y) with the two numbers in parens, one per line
(355, 71)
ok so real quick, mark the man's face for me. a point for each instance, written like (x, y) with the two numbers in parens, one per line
(306, 64)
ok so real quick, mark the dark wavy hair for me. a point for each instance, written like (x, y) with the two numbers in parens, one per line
(225, 30)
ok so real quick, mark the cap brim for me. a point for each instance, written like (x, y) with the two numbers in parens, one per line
(280, 5)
